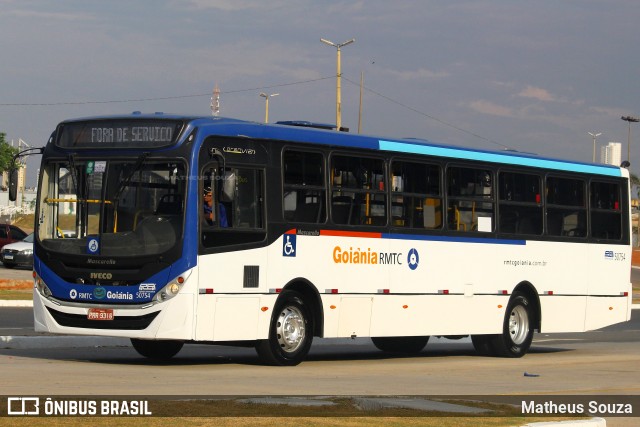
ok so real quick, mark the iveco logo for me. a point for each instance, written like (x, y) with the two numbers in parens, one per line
(101, 276)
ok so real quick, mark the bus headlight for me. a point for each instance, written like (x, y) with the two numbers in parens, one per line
(172, 289)
(43, 289)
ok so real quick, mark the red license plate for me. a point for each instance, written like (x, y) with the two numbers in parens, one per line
(100, 314)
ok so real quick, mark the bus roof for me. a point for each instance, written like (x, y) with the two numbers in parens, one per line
(286, 132)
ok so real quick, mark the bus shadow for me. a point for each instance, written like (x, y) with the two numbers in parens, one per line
(214, 355)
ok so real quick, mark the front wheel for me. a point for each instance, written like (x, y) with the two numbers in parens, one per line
(290, 332)
(517, 329)
(400, 345)
(157, 349)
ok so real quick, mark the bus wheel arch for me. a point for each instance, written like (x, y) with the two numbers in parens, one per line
(311, 297)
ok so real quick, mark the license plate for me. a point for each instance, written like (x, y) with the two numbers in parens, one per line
(100, 314)
(8, 256)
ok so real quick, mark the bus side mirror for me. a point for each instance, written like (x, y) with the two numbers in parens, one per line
(13, 184)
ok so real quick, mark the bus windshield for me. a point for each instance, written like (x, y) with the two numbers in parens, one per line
(114, 208)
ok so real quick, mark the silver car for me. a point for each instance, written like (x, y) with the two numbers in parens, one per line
(18, 254)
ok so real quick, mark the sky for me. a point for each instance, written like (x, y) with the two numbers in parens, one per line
(533, 76)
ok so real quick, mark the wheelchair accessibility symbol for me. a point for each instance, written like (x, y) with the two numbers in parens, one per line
(289, 245)
(93, 245)
(413, 259)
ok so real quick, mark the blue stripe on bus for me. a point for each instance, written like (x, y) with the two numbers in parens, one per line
(486, 156)
(454, 239)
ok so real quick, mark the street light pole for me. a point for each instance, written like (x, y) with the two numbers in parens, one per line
(594, 136)
(338, 46)
(629, 119)
(266, 104)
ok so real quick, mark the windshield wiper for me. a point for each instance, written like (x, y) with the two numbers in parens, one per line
(74, 174)
(125, 182)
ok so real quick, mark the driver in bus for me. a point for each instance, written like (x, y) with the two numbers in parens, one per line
(208, 205)
(209, 212)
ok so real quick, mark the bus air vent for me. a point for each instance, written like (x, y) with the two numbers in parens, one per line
(251, 276)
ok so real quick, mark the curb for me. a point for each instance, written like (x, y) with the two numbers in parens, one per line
(16, 303)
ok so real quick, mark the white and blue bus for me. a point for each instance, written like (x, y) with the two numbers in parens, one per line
(170, 230)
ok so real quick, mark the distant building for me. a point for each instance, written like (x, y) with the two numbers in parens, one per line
(611, 154)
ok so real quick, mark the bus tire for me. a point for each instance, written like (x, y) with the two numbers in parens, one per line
(400, 345)
(157, 349)
(517, 329)
(290, 332)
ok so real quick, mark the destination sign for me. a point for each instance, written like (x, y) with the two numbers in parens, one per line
(119, 134)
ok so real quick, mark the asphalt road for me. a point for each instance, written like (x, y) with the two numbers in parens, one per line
(17, 273)
(568, 366)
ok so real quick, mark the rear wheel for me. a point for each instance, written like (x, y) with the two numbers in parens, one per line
(157, 349)
(517, 329)
(400, 345)
(8, 265)
(290, 332)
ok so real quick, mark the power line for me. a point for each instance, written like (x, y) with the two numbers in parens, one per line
(164, 98)
(259, 88)
(422, 113)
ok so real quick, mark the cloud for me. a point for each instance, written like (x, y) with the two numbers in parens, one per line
(487, 107)
(610, 111)
(232, 5)
(421, 73)
(537, 93)
(49, 16)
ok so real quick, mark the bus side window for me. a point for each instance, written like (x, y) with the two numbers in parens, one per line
(520, 203)
(606, 211)
(358, 194)
(243, 198)
(237, 208)
(416, 200)
(471, 203)
(566, 207)
(304, 187)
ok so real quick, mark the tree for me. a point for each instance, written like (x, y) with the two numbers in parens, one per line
(6, 154)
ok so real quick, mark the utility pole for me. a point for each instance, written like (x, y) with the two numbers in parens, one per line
(629, 119)
(360, 109)
(338, 46)
(266, 104)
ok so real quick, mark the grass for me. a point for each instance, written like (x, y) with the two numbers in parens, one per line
(11, 289)
(19, 294)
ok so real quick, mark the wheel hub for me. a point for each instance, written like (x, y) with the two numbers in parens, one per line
(290, 329)
(518, 325)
